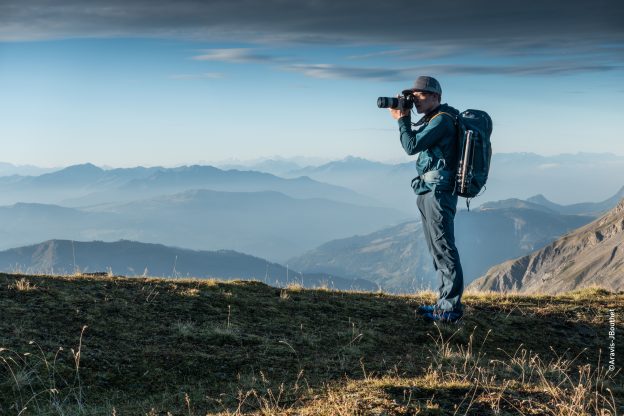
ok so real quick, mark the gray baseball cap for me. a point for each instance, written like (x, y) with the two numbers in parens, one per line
(426, 84)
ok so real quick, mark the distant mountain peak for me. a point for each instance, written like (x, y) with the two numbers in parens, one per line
(82, 167)
(75, 171)
(587, 208)
(359, 160)
(193, 168)
(538, 198)
(352, 158)
(346, 164)
(515, 203)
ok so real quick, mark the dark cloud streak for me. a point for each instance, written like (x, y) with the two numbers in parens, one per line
(315, 20)
(397, 74)
(235, 55)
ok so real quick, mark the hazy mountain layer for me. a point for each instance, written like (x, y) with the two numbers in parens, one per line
(385, 182)
(8, 169)
(85, 185)
(267, 224)
(562, 178)
(397, 258)
(591, 255)
(132, 258)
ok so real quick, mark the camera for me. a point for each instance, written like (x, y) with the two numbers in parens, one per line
(406, 102)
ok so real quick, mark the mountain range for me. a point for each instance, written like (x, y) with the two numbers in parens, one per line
(541, 203)
(593, 255)
(139, 259)
(203, 207)
(87, 184)
(584, 208)
(561, 178)
(397, 258)
(394, 259)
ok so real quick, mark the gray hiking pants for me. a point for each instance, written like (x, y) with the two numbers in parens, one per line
(437, 210)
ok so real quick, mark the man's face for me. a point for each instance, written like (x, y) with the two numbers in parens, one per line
(425, 101)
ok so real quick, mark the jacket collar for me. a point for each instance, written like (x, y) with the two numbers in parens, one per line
(429, 115)
(434, 111)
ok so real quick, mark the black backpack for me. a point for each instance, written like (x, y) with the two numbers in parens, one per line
(474, 128)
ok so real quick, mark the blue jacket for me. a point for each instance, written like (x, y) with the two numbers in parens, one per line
(435, 139)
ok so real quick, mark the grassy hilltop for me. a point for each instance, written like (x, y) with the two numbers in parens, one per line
(85, 345)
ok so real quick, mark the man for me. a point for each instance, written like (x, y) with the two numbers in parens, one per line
(435, 139)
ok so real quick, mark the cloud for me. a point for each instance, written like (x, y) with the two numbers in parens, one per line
(589, 49)
(329, 71)
(235, 55)
(422, 51)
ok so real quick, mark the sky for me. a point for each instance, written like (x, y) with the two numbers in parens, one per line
(127, 83)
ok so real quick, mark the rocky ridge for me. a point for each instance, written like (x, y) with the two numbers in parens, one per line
(592, 255)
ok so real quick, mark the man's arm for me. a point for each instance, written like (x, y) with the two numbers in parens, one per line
(417, 141)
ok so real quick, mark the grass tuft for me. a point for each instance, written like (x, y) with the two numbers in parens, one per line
(22, 285)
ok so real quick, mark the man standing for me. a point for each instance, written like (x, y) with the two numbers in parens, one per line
(435, 140)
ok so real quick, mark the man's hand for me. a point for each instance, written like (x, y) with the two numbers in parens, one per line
(397, 114)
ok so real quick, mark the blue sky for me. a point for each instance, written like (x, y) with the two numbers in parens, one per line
(157, 83)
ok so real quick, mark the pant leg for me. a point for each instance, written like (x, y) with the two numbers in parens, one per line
(440, 208)
(420, 203)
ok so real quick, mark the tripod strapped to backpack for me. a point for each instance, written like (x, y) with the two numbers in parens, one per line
(474, 128)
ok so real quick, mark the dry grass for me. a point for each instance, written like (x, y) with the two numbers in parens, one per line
(190, 347)
(22, 285)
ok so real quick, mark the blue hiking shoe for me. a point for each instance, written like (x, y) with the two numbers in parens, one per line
(423, 309)
(446, 316)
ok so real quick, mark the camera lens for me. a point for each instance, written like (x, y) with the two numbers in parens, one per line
(387, 102)
(402, 103)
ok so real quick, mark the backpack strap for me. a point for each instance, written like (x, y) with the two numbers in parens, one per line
(448, 114)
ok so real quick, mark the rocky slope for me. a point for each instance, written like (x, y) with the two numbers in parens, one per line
(592, 255)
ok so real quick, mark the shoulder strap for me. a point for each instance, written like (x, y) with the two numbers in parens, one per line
(448, 114)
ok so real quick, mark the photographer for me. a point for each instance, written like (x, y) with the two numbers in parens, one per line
(434, 137)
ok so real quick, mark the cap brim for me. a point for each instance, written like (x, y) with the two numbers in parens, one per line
(411, 90)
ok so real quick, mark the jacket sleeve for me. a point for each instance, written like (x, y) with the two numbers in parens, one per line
(414, 141)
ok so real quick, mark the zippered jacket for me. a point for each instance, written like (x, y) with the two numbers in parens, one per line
(434, 138)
